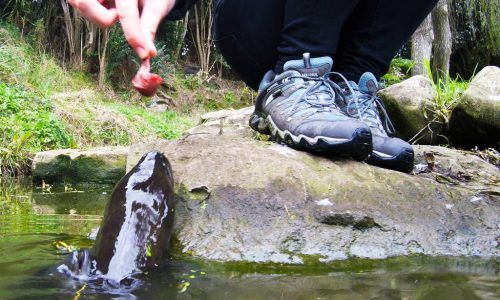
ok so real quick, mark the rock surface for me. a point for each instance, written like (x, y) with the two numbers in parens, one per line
(407, 104)
(458, 168)
(100, 165)
(475, 121)
(240, 199)
(225, 122)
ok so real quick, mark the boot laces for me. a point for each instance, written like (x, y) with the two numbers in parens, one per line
(366, 107)
(319, 93)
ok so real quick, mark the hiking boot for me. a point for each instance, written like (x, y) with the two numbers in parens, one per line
(361, 102)
(298, 107)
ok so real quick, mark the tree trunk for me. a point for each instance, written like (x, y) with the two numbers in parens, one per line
(421, 46)
(74, 35)
(181, 36)
(202, 36)
(442, 38)
(103, 57)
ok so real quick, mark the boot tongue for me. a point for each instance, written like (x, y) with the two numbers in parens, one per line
(368, 84)
(315, 67)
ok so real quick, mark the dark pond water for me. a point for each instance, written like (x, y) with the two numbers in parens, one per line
(32, 219)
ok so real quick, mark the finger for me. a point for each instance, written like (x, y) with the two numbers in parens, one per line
(128, 13)
(96, 12)
(152, 14)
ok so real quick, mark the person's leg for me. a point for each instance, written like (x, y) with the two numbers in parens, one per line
(260, 35)
(296, 105)
(312, 26)
(374, 33)
(247, 34)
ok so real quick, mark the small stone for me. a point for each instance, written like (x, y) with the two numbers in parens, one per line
(476, 200)
(93, 234)
(324, 202)
(421, 168)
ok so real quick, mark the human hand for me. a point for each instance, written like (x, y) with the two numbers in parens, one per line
(139, 19)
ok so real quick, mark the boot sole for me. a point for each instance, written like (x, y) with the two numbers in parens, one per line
(403, 162)
(359, 146)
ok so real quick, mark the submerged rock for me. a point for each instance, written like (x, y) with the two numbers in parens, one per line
(100, 165)
(475, 121)
(409, 105)
(240, 199)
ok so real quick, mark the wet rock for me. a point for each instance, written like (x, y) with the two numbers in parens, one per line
(241, 199)
(409, 105)
(100, 165)
(458, 168)
(475, 121)
(225, 122)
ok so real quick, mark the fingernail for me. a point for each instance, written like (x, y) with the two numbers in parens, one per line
(142, 52)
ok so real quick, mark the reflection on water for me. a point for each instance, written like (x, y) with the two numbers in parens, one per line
(31, 219)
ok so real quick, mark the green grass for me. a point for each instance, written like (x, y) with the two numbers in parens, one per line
(167, 125)
(27, 125)
(22, 65)
(448, 93)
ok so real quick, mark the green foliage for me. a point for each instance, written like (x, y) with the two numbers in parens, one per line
(476, 35)
(477, 20)
(120, 55)
(448, 92)
(399, 70)
(27, 124)
(192, 82)
(17, 11)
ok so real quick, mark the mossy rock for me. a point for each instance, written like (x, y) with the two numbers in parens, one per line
(409, 105)
(475, 121)
(102, 165)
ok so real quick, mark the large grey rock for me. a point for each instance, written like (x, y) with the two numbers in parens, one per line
(244, 200)
(100, 165)
(475, 120)
(409, 105)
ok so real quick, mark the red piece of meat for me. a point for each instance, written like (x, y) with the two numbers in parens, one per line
(146, 82)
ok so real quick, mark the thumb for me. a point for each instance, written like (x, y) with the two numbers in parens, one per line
(152, 14)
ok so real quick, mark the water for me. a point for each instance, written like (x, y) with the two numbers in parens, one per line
(32, 219)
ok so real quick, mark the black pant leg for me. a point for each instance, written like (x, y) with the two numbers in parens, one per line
(374, 33)
(255, 36)
(247, 33)
(312, 26)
